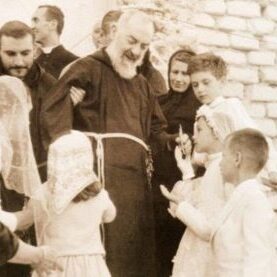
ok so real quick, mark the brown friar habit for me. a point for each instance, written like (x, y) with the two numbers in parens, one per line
(114, 104)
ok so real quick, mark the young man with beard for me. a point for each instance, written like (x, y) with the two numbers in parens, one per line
(48, 23)
(117, 100)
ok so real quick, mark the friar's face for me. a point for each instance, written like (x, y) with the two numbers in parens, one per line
(130, 45)
(17, 55)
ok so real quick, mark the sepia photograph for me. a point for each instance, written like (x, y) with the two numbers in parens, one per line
(138, 138)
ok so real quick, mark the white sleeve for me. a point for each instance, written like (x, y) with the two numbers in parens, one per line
(194, 219)
(257, 238)
(109, 213)
(8, 219)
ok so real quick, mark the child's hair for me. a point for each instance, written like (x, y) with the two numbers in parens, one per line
(208, 62)
(88, 192)
(253, 146)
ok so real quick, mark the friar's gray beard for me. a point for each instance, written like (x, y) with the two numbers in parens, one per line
(125, 68)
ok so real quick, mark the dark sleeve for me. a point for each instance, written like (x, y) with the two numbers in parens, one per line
(8, 244)
(57, 109)
(159, 124)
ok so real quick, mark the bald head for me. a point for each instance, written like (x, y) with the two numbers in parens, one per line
(138, 21)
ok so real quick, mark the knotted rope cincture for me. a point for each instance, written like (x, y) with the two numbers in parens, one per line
(100, 156)
(100, 149)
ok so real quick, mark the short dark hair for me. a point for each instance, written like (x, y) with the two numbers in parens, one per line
(54, 13)
(252, 144)
(208, 62)
(15, 29)
(110, 17)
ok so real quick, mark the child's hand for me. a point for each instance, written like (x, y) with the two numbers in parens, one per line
(48, 262)
(170, 196)
(184, 144)
(273, 177)
(184, 164)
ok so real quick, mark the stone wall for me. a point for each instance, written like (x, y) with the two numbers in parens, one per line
(243, 32)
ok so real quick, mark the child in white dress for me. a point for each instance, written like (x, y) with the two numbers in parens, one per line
(75, 206)
(194, 256)
(241, 235)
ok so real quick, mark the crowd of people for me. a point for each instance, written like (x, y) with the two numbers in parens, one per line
(182, 175)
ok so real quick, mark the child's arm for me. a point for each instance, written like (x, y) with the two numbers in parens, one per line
(42, 258)
(25, 217)
(109, 213)
(9, 219)
(189, 215)
(258, 234)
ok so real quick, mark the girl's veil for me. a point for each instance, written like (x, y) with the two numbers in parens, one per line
(17, 162)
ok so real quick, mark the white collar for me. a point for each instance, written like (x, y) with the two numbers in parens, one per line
(216, 101)
(48, 50)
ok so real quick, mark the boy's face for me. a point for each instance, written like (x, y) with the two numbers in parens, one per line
(203, 137)
(227, 165)
(206, 86)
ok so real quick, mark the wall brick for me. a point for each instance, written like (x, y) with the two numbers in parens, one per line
(269, 42)
(262, 92)
(256, 110)
(267, 126)
(243, 41)
(244, 75)
(211, 37)
(233, 89)
(232, 56)
(203, 19)
(272, 109)
(261, 57)
(269, 75)
(216, 7)
(243, 8)
(271, 12)
(260, 26)
(230, 23)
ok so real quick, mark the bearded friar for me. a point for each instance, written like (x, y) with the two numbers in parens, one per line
(117, 100)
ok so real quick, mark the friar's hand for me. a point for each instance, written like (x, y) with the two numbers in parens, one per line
(77, 95)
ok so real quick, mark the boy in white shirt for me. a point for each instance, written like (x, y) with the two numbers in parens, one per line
(242, 235)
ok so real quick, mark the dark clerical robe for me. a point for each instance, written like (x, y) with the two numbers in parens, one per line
(114, 104)
(56, 60)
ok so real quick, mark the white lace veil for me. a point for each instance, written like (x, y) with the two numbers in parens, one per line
(70, 170)
(18, 165)
(221, 123)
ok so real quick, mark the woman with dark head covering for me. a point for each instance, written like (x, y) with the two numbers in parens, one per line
(179, 107)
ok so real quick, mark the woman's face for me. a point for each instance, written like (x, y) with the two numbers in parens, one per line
(179, 79)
